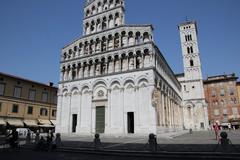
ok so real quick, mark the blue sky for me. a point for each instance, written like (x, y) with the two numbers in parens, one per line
(32, 33)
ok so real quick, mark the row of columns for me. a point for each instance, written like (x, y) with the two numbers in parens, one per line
(101, 7)
(108, 111)
(101, 68)
(106, 44)
(169, 112)
(103, 24)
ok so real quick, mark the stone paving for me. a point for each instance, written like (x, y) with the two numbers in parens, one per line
(202, 141)
(171, 146)
(198, 137)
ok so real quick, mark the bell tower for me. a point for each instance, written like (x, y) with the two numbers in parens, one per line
(191, 61)
(196, 116)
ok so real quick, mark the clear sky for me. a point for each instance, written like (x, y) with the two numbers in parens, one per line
(32, 33)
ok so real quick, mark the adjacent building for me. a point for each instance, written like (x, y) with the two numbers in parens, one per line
(238, 91)
(194, 104)
(25, 103)
(223, 100)
(114, 79)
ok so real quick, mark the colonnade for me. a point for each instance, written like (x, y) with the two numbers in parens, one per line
(102, 23)
(101, 6)
(107, 65)
(106, 43)
(169, 112)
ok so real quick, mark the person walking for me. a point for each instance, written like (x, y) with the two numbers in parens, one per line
(13, 141)
(229, 126)
(216, 130)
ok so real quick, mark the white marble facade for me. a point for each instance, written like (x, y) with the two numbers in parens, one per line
(118, 67)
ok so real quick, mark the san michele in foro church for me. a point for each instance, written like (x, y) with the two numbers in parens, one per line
(114, 79)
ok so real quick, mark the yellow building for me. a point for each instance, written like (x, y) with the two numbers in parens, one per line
(25, 103)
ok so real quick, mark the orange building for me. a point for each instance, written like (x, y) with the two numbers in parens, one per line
(223, 100)
(238, 90)
(25, 103)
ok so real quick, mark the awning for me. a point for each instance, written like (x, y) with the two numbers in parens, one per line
(225, 124)
(31, 123)
(235, 123)
(45, 123)
(15, 122)
(2, 122)
(46, 126)
(54, 122)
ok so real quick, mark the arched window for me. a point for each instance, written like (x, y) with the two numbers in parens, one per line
(75, 48)
(130, 38)
(87, 28)
(104, 23)
(188, 50)
(111, 3)
(138, 38)
(146, 37)
(105, 5)
(116, 40)
(110, 42)
(64, 56)
(91, 47)
(104, 44)
(189, 112)
(117, 2)
(190, 37)
(191, 63)
(191, 49)
(92, 26)
(117, 20)
(99, 9)
(124, 39)
(110, 21)
(94, 10)
(86, 48)
(74, 74)
(69, 53)
(80, 48)
(87, 13)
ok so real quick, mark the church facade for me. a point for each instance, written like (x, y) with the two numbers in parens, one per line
(114, 79)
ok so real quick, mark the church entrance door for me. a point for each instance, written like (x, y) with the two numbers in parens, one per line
(130, 121)
(74, 123)
(100, 119)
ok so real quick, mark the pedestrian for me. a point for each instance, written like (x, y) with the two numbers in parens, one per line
(51, 135)
(41, 144)
(37, 137)
(13, 141)
(28, 138)
(58, 140)
(229, 126)
(216, 130)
